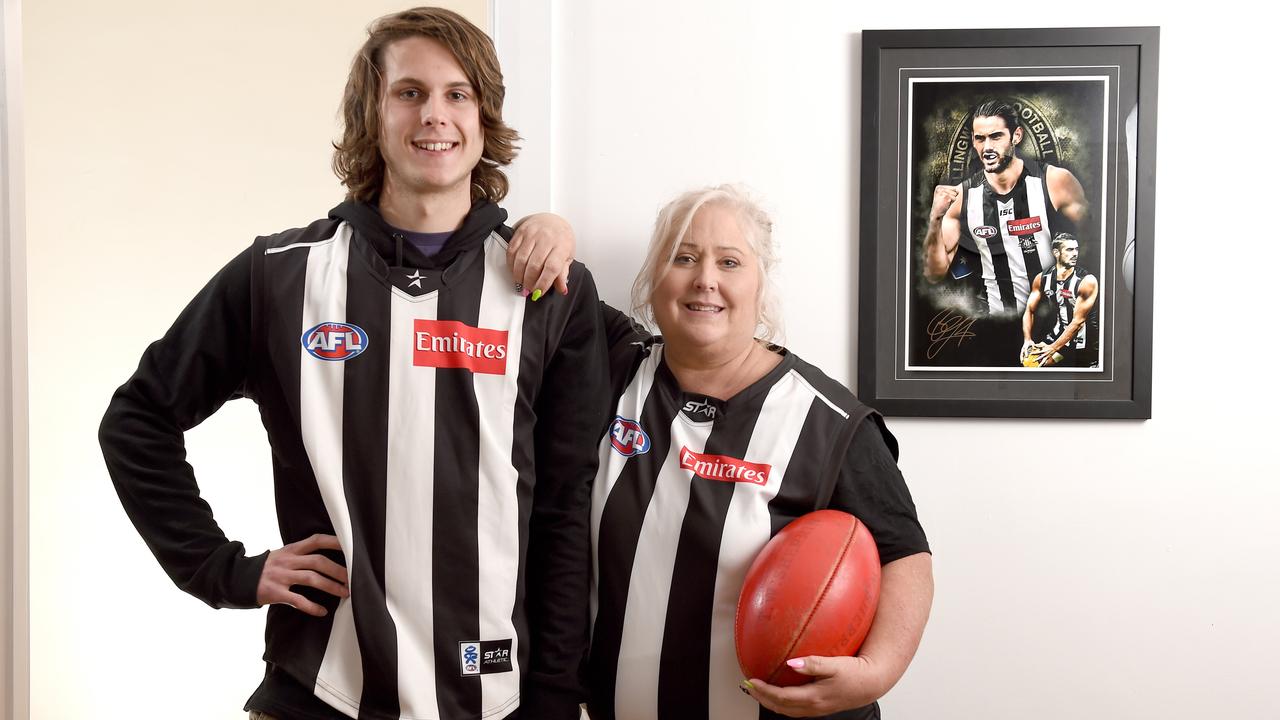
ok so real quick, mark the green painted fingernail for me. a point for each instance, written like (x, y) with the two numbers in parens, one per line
(537, 294)
(746, 685)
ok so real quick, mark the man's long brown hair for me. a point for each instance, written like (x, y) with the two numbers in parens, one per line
(357, 160)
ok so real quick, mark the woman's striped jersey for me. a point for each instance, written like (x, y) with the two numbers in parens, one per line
(425, 413)
(689, 489)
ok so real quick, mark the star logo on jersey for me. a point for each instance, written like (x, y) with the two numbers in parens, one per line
(700, 409)
(417, 279)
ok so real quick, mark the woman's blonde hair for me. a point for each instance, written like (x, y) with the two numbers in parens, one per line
(671, 229)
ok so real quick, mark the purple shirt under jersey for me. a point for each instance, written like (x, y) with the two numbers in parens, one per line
(427, 243)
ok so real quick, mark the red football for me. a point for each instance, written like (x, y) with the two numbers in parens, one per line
(812, 590)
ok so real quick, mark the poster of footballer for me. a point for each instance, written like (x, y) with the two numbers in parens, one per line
(1005, 244)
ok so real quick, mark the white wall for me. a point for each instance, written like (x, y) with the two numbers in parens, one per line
(1114, 570)
(161, 138)
(1084, 568)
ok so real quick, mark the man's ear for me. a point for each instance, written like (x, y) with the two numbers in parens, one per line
(1017, 135)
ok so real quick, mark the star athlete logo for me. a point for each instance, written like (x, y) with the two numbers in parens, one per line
(417, 279)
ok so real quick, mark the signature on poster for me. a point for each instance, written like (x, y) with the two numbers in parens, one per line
(946, 326)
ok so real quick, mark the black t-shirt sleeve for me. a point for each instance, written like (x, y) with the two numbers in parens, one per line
(871, 487)
(182, 379)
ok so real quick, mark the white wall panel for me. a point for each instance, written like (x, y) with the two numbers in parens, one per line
(1089, 569)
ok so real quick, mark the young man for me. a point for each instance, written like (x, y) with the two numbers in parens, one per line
(1072, 292)
(433, 432)
(1006, 215)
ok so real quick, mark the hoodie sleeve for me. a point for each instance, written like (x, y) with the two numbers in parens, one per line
(184, 377)
(618, 328)
(571, 410)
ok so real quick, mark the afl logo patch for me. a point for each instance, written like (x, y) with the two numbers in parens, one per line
(628, 438)
(335, 341)
(985, 232)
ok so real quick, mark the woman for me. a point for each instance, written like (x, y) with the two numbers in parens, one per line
(672, 547)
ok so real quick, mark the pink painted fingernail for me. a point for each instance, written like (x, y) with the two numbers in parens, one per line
(796, 663)
(524, 292)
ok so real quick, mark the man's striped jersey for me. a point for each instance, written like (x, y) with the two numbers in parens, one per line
(1010, 235)
(425, 413)
(1062, 296)
(689, 489)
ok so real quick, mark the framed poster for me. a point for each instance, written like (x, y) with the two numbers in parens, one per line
(1008, 187)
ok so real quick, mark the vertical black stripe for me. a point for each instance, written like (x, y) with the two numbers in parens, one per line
(364, 480)
(685, 664)
(999, 262)
(455, 567)
(1052, 289)
(532, 361)
(1072, 286)
(1048, 296)
(618, 538)
(294, 640)
(797, 494)
(1021, 210)
(965, 230)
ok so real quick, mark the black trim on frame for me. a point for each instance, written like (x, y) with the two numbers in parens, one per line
(1138, 405)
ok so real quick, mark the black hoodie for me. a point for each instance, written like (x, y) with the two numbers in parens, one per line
(240, 337)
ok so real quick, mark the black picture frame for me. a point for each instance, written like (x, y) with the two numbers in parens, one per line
(929, 341)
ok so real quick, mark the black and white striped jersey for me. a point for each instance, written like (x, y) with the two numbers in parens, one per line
(424, 412)
(1010, 235)
(1062, 296)
(689, 489)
